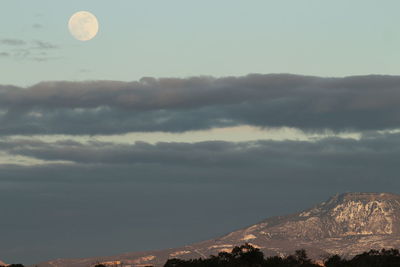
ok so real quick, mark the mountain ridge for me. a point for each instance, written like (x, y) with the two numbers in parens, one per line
(345, 224)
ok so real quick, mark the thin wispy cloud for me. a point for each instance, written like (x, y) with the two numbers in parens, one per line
(12, 42)
(22, 50)
(44, 45)
(37, 26)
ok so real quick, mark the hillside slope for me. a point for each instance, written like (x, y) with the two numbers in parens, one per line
(346, 224)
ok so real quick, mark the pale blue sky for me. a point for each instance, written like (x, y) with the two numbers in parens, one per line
(189, 38)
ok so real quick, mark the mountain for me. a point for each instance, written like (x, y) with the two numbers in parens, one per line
(346, 224)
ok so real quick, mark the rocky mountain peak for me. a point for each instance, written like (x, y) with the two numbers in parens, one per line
(365, 197)
(359, 214)
(381, 202)
(343, 215)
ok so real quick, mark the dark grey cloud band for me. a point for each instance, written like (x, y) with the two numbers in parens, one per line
(178, 105)
(375, 149)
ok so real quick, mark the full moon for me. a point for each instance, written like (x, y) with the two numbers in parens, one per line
(83, 26)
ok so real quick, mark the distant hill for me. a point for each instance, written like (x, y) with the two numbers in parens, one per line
(346, 224)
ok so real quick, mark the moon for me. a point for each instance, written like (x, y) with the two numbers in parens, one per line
(83, 26)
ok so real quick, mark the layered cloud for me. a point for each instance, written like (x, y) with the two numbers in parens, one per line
(325, 154)
(178, 105)
(114, 180)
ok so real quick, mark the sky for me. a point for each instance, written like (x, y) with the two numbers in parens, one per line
(182, 121)
(186, 38)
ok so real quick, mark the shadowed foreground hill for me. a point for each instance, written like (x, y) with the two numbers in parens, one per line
(346, 224)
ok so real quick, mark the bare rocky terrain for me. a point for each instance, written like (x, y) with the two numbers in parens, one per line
(346, 224)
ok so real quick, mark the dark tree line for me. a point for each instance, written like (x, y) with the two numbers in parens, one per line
(245, 256)
(373, 258)
(248, 256)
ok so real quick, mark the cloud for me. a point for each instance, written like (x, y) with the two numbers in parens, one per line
(12, 42)
(45, 45)
(37, 26)
(178, 105)
(371, 150)
(34, 50)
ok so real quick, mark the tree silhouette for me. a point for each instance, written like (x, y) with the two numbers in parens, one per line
(245, 256)
(334, 261)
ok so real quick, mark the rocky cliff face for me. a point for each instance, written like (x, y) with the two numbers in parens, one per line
(346, 224)
(355, 214)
